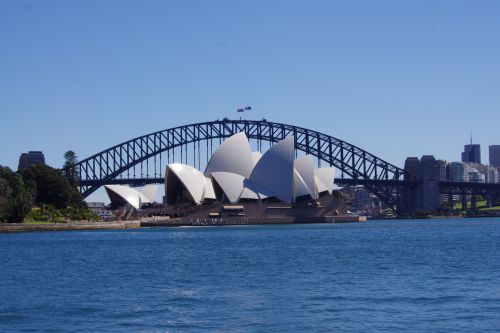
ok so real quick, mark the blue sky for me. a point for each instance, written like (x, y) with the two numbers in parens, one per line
(397, 78)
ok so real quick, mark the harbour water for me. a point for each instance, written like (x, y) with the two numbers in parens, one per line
(379, 276)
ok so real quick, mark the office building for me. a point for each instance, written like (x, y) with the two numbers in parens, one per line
(425, 173)
(472, 153)
(495, 156)
(431, 174)
(30, 158)
(458, 172)
(491, 175)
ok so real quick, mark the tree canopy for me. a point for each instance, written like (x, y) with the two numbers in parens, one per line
(50, 187)
(43, 186)
(15, 199)
(69, 168)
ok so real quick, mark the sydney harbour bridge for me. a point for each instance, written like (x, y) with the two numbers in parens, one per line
(142, 160)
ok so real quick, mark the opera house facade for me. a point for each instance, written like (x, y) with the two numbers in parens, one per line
(240, 183)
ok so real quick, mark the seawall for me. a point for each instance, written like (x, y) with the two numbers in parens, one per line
(177, 222)
(75, 225)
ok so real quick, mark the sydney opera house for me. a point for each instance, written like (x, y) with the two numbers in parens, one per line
(239, 183)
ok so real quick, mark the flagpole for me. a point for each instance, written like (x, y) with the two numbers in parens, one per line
(242, 110)
(247, 108)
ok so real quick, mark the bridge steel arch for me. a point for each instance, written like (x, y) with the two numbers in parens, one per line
(361, 167)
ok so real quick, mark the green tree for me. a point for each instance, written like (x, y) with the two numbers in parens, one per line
(15, 199)
(70, 170)
(48, 186)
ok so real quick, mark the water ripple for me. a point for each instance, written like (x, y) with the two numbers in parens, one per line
(418, 276)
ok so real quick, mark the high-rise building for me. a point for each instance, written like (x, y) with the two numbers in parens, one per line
(472, 153)
(430, 176)
(426, 174)
(495, 155)
(30, 158)
(443, 165)
(413, 199)
(459, 172)
(443, 176)
(491, 175)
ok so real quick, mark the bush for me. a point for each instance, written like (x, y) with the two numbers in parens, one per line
(74, 212)
(45, 214)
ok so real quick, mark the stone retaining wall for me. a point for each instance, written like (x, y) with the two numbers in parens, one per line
(76, 225)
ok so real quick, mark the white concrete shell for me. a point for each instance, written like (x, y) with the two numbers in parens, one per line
(243, 174)
(259, 192)
(274, 171)
(319, 185)
(304, 167)
(299, 186)
(249, 194)
(209, 189)
(256, 155)
(234, 156)
(130, 195)
(326, 177)
(192, 179)
(233, 187)
(231, 184)
(149, 191)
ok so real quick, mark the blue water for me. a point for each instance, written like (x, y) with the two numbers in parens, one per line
(379, 276)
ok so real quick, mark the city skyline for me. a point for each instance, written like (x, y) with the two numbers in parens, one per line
(394, 79)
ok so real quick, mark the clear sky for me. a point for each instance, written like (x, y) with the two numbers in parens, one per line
(397, 78)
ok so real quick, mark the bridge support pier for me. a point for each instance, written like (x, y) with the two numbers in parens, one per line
(473, 202)
(463, 196)
(489, 200)
(450, 200)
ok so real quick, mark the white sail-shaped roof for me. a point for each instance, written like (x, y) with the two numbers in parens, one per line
(320, 187)
(130, 195)
(305, 168)
(192, 179)
(234, 156)
(209, 189)
(243, 174)
(256, 155)
(150, 191)
(274, 171)
(326, 176)
(300, 188)
(231, 184)
(233, 187)
(249, 194)
(260, 191)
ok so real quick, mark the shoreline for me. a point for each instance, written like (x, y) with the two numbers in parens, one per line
(177, 222)
(75, 225)
(164, 222)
